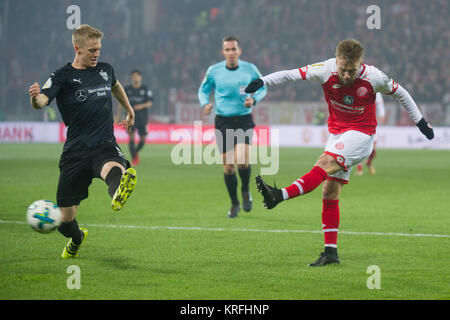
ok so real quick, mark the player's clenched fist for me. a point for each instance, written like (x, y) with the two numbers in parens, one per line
(425, 128)
(34, 90)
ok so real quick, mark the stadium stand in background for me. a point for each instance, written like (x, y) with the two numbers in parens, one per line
(172, 42)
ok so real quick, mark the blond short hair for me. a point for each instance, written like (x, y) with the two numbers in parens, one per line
(84, 32)
(350, 49)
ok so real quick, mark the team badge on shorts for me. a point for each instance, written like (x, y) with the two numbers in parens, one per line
(339, 145)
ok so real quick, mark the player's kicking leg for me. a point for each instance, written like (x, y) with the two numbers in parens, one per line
(325, 165)
(121, 183)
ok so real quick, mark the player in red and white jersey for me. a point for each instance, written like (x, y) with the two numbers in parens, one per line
(381, 113)
(350, 88)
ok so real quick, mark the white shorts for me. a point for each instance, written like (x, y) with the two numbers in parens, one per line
(348, 148)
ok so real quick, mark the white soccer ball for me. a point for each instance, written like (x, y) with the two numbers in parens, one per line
(43, 216)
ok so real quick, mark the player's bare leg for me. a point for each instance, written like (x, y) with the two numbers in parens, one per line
(121, 183)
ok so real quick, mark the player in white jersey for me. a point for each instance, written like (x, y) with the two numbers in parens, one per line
(349, 87)
(381, 112)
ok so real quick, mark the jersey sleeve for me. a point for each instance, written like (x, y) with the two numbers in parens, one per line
(53, 85)
(205, 88)
(317, 72)
(383, 83)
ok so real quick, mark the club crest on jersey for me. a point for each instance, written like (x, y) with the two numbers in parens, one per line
(104, 75)
(362, 91)
(339, 145)
(348, 100)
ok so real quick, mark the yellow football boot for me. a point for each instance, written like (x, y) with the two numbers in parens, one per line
(71, 249)
(126, 187)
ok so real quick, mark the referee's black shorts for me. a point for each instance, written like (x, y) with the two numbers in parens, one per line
(79, 167)
(233, 130)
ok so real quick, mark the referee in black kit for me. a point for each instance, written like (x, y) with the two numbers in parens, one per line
(141, 100)
(83, 94)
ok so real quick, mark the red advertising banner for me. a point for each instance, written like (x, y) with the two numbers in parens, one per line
(176, 133)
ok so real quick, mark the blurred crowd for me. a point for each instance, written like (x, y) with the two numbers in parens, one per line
(412, 45)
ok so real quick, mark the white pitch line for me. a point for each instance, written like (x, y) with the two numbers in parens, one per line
(114, 226)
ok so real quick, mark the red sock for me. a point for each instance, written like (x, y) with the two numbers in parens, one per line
(307, 183)
(330, 222)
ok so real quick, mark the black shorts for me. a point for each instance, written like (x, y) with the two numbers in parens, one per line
(227, 139)
(79, 167)
(140, 122)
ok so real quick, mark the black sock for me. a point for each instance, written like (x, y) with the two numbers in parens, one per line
(113, 180)
(231, 182)
(245, 178)
(71, 230)
(132, 148)
(331, 251)
(140, 145)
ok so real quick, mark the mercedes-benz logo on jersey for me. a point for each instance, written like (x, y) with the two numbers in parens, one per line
(348, 100)
(81, 95)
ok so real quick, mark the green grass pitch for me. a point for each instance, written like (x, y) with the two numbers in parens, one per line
(173, 240)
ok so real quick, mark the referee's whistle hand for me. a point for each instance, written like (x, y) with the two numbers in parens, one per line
(249, 102)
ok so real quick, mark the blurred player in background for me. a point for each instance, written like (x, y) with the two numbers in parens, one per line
(233, 111)
(141, 100)
(83, 94)
(349, 87)
(381, 112)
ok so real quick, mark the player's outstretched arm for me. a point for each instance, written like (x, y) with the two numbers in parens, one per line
(408, 103)
(37, 99)
(119, 93)
(274, 79)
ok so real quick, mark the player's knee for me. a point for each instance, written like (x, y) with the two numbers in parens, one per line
(68, 213)
(331, 190)
(229, 169)
(243, 166)
(328, 163)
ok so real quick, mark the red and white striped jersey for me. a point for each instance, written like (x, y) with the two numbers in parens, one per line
(350, 107)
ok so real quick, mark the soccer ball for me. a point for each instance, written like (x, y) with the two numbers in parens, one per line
(43, 216)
